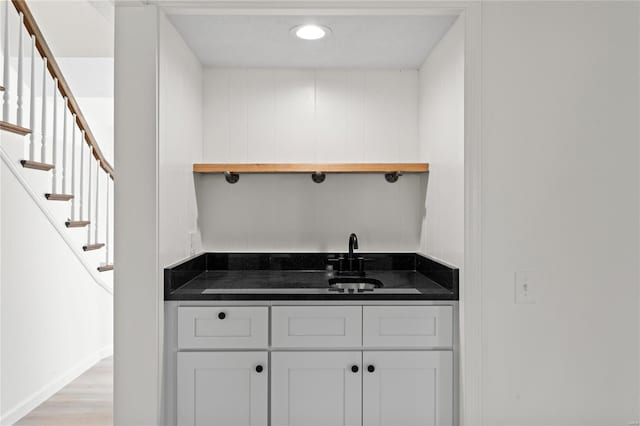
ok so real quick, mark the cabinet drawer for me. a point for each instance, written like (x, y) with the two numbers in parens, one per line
(223, 327)
(408, 326)
(316, 326)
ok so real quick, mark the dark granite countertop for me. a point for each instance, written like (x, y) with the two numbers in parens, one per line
(304, 276)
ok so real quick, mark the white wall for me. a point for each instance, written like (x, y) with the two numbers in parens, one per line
(56, 321)
(91, 82)
(560, 198)
(276, 115)
(441, 133)
(180, 142)
(138, 295)
(159, 137)
(280, 116)
(180, 145)
(292, 213)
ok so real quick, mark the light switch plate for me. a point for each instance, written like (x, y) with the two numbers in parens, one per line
(525, 287)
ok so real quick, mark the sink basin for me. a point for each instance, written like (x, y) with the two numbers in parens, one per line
(354, 284)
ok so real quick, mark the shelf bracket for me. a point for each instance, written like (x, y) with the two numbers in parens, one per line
(392, 177)
(231, 177)
(318, 177)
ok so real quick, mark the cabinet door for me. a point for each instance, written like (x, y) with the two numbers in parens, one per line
(222, 389)
(316, 388)
(407, 388)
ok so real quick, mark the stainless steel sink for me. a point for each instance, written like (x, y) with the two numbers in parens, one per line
(354, 284)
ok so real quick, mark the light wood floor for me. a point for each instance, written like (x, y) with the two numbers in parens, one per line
(87, 401)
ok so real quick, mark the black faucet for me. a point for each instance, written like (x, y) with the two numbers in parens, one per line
(353, 244)
(354, 265)
(350, 265)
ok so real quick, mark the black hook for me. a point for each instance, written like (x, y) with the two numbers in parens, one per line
(318, 177)
(392, 177)
(231, 177)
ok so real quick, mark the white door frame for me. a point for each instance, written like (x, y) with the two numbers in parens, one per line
(471, 309)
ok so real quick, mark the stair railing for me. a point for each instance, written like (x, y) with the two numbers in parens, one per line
(55, 120)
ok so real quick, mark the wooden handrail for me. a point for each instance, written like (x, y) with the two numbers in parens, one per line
(41, 44)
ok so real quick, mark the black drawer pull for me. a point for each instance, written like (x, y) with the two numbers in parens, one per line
(354, 368)
(259, 368)
(222, 315)
(371, 369)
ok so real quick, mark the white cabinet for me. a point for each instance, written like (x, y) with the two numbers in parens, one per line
(316, 388)
(315, 365)
(222, 388)
(407, 388)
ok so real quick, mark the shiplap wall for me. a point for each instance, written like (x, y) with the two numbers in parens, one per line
(284, 115)
(292, 213)
(441, 130)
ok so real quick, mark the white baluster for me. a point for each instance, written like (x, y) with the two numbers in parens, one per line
(64, 147)
(5, 74)
(32, 104)
(74, 147)
(20, 71)
(81, 189)
(54, 139)
(89, 197)
(95, 225)
(43, 127)
(106, 242)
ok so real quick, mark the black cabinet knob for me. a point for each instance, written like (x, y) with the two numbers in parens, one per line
(259, 368)
(371, 369)
(222, 315)
(354, 368)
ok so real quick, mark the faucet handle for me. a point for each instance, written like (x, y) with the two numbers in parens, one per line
(337, 263)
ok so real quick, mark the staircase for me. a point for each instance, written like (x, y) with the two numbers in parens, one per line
(39, 107)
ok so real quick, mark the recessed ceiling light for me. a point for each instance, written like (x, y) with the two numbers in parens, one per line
(310, 32)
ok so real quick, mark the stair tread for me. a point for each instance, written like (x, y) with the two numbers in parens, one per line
(36, 165)
(76, 223)
(105, 268)
(89, 247)
(58, 197)
(13, 128)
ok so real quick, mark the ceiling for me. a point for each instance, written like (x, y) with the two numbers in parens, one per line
(356, 41)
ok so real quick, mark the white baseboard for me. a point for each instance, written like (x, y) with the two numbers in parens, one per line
(47, 391)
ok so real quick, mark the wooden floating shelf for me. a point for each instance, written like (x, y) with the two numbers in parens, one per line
(313, 168)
